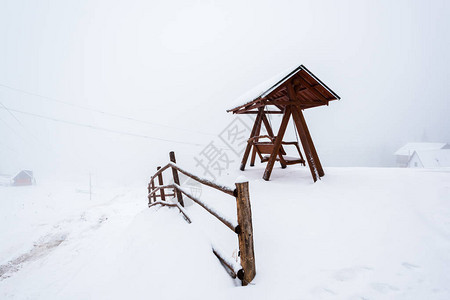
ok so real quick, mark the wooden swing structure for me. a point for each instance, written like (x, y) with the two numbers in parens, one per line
(288, 94)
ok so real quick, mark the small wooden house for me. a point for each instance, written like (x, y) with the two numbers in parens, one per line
(24, 177)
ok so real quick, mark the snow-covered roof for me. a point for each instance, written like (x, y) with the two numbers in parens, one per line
(434, 158)
(409, 148)
(27, 172)
(265, 88)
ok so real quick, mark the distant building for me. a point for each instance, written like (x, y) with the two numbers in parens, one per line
(24, 177)
(405, 153)
(430, 159)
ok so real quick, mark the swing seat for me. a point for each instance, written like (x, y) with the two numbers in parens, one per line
(265, 149)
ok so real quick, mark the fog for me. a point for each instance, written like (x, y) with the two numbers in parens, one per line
(174, 67)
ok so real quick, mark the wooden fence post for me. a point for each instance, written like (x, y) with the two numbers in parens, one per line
(149, 191)
(160, 181)
(244, 216)
(152, 186)
(176, 179)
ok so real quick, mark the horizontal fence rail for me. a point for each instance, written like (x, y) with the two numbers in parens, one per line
(246, 270)
(222, 188)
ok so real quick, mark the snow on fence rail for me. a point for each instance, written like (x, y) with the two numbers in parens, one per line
(243, 227)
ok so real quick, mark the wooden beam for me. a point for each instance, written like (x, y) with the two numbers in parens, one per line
(152, 184)
(302, 135)
(277, 144)
(257, 133)
(311, 145)
(293, 95)
(267, 125)
(270, 112)
(298, 90)
(241, 106)
(252, 134)
(176, 179)
(306, 146)
(281, 98)
(311, 89)
(164, 203)
(160, 182)
(270, 133)
(246, 246)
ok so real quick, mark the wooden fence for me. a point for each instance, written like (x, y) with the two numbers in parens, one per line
(243, 227)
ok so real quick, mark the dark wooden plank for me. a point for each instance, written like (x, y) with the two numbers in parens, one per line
(305, 144)
(311, 145)
(160, 182)
(277, 144)
(258, 131)
(221, 188)
(152, 183)
(312, 89)
(176, 179)
(252, 134)
(270, 112)
(302, 133)
(304, 127)
(246, 245)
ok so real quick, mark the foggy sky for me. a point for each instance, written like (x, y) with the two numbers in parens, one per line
(182, 63)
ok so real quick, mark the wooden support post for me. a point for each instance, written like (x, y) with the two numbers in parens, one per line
(258, 131)
(246, 247)
(252, 134)
(270, 133)
(149, 188)
(311, 145)
(152, 187)
(311, 155)
(160, 181)
(176, 179)
(305, 144)
(252, 160)
(277, 144)
(267, 125)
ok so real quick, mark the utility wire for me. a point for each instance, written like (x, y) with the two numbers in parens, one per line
(100, 128)
(21, 124)
(18, 121)
(101, 111)
(12, 129)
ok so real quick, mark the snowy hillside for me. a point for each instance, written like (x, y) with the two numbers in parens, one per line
(358, 234)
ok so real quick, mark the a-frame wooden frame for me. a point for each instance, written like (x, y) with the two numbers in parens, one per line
(297, 91)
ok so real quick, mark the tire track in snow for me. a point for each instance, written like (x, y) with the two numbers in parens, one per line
(39, 250)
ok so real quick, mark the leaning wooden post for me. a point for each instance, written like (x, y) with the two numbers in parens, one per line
(160, 181)
(252, 134)
(176, 179)
(244, 216)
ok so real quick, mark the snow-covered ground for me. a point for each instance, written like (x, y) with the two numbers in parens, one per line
(359, 233)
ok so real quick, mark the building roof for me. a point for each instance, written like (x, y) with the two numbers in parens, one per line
(434, 158)
(310, 91)
(25, 172)
(409, 148)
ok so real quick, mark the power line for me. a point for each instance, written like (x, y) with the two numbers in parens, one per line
(11, 128)
(18, 121)
(100, 128)
(101, 111)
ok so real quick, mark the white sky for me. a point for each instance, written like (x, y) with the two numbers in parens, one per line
(182, 63)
